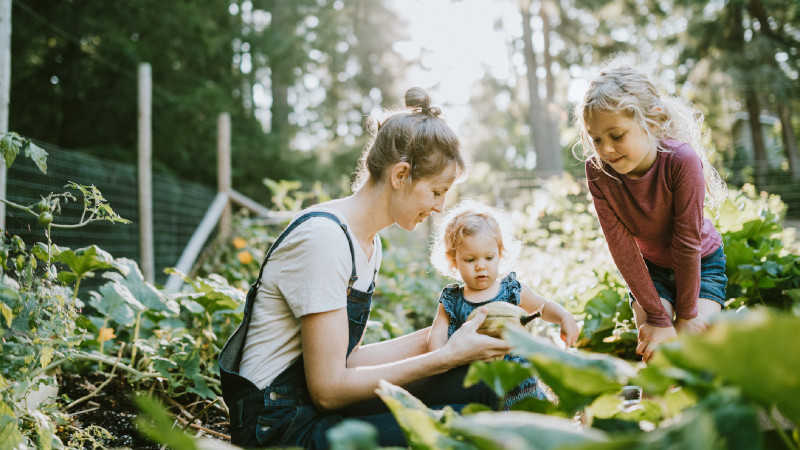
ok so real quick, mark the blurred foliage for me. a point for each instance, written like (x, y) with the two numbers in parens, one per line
(292, 75)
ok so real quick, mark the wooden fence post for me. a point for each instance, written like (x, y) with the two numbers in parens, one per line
(145, 173)
(5, 89)
(224, 169)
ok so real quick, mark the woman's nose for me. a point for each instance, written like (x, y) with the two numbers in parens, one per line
(438, 205)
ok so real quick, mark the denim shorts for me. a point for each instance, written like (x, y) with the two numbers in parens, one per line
(713, 281)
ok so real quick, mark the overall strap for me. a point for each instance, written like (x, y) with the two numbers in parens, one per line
(294, 225)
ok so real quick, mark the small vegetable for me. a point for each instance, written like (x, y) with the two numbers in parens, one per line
(45, 219)
(501, 315)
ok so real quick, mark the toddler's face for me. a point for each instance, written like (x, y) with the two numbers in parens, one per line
(478, 260)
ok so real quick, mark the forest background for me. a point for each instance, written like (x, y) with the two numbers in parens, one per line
(298, 78)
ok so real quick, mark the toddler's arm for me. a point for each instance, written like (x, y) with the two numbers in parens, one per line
(551, 312)
(438, 334)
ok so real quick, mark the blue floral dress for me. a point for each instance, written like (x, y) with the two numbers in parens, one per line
(458, 308)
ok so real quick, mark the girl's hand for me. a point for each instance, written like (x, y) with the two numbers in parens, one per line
(569, 331)
(467, 345)
(650, 337)
(696, 325)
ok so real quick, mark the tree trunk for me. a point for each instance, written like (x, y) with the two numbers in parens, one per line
(789, 139)
(548, 157)
(282, 77)
(759, 151)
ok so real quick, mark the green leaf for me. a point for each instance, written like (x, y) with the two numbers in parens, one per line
(576, 378)
(131, 277)
(501, 376)
(9, 147)
(156, 423)
(9, 428)
(523, 430)
(423, 427)
(353, 434)
(84, 260)
(114, 301)
(768, 342)
(38, 155)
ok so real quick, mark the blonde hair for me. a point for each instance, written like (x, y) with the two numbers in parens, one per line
(622, 88)
(416, 135)
(471, 218)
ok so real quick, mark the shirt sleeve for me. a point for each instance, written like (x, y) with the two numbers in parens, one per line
(626, 255)
(689, 194)
(315, 268)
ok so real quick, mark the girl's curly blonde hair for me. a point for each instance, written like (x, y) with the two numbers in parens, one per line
(470, 218)
(621, 87)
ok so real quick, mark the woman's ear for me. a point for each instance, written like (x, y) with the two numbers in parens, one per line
(400, 174)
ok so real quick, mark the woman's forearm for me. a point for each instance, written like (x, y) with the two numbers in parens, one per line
(412, 344)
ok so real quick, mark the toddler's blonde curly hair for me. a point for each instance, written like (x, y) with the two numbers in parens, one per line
(470, 218)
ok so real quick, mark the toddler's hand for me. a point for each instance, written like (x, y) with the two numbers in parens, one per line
(650, 337)
(569, 331)
(698, 324)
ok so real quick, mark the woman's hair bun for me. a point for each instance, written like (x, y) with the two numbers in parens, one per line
(417, 97)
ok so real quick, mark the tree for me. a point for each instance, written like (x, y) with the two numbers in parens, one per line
(754, 43)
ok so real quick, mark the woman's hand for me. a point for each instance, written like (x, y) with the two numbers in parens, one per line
(467, 345)
(650, 337)
(696, 325)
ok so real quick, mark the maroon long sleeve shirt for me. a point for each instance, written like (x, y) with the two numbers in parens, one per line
(658, 217)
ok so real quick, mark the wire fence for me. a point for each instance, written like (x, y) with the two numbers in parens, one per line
(178, 206)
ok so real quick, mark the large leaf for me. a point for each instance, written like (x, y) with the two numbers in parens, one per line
(131, 277)
(116, 302)
(424, 428)
(523, 430)
(576, 378)
(501, 376)
(84, 260)
(757, 350)
(216, 294)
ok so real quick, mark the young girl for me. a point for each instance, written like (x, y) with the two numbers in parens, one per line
(475, 244)
(645, 169)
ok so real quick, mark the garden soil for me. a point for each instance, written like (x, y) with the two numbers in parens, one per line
(114, 410)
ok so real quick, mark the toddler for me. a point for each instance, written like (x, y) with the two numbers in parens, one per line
(475, 244)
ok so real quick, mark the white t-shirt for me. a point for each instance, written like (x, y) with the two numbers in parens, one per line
(308, 273)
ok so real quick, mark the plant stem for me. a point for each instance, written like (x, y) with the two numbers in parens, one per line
(135, 337)
(102, 385)
(780, 430)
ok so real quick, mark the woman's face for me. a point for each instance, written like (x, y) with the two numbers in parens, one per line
(421, 198)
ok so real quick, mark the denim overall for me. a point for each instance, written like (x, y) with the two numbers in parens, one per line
(282, 413)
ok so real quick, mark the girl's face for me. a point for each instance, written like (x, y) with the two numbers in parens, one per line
(478, 260)
(422, 198)
(621, 143)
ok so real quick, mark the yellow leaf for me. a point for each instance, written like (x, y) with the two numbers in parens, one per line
(46, 356)
(245, 257)
(239, 243)
(105, 334)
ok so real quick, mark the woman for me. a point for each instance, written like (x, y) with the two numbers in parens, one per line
(295, 366)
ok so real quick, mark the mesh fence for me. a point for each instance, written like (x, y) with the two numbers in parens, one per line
(178, 206)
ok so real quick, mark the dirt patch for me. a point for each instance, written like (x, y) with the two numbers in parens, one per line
(114, 410)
